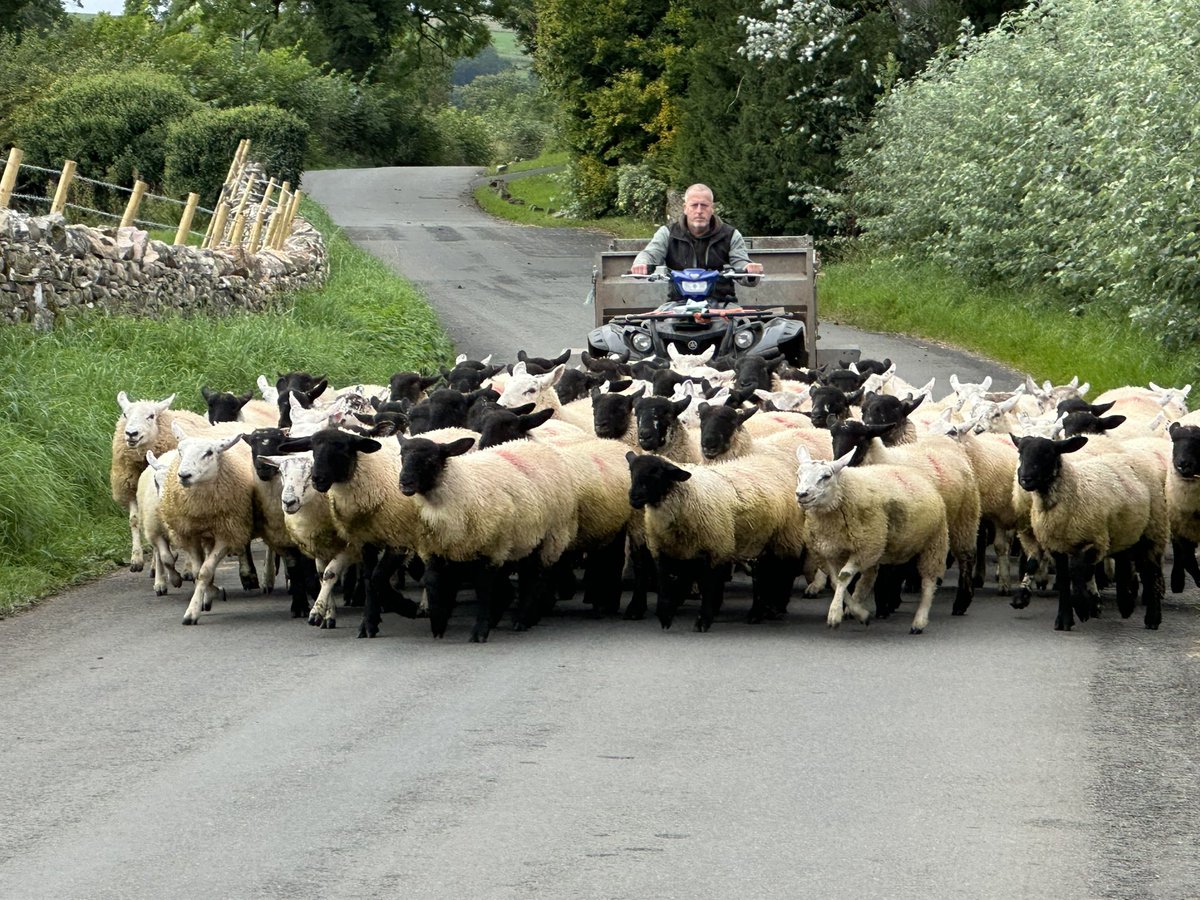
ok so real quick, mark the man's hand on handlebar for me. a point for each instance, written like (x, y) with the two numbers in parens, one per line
(639, 269)
(754, 268)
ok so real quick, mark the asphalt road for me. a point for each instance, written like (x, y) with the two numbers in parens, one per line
(253, 756)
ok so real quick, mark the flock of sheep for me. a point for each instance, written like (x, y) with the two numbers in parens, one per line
(512, 479)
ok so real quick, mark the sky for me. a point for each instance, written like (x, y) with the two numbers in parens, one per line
(96, 6)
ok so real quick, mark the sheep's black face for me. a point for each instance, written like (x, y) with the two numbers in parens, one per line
(883, 409)
(753, 374)
(870, 366)
(335, 456)
(265, 442)
(447, 409)
(499, 427)
(410, 386)
(844, 380)
(1039, 463)
(1185, 450)
(422, 462)
(611, 415)
(829, 405)
(224, 406)
(655, 418)
(575, 385)
(718, 424)
(850, 435)
(664, 382)
(651, 479)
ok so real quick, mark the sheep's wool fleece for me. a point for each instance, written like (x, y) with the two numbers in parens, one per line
(1099, 501)
(369, 508)
(881, 514)
(219, 509)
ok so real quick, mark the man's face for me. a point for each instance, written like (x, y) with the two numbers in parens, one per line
(698, 210)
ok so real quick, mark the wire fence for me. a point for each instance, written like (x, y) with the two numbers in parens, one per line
(244, 202)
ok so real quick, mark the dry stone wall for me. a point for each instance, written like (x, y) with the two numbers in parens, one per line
(50, 271)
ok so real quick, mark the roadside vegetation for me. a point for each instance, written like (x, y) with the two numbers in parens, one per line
(58, 523)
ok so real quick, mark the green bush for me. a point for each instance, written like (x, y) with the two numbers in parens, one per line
(592, 187)
(115, 129)
(516, 109)
(464, 139)
(1059, 148)
(200, 147)
(640, 194)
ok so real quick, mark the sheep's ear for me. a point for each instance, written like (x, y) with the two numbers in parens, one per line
(1110, 422)
(1016, 440)
(318, 389)
(459, 447)
(151, 459)
(678, 408)
(595, 393)
(562, 358)
(802, 454)
(554, 375)
(746, 414)
(522, 355)
(164, 405)
(630, 456)
(225, 443)
(531, 421)
(703, 409)
(273, 461)
(615, 387)
(708, 354)
(1010, 403)
(1171, 429)
(206, 393)
(639, 393)
(519, 369)
(384, 428)
(987, 383)
(524, 409)
(856, 398)
(429, 381)
(177, 430)
(123, 401)
(296, 445)
(912, 403)
(673, 352)
(1071, 445)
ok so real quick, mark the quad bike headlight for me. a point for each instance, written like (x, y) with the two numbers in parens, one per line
(641, 342)
(743, 338)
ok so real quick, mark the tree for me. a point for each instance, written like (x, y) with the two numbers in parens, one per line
(17, 16)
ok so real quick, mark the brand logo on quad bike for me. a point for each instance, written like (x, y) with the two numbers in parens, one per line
(692, 345)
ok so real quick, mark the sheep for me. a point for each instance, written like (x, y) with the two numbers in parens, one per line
(609, 367)
(148, 497)
(208, 504)
(612, 415)
(1086, 509)
(309, 522)
(601, 485)
(359, 475)
(1050, 395)
(830, 405)
(859, 519)
(525, 388)
(575, 384)
(702, 519)
(894, 412)
(226, 407)
(659, 429)
(144, 425)
(994, 462)
(725, 433)
(1141, 405)
(1183, 503)
(410, 386)
(947, 467)
(492, 507)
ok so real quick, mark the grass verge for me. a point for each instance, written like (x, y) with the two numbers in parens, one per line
(1028, 331)
(58, 522)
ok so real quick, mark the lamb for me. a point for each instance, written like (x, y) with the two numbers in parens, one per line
(144, 425)
(493, 507)
(525, 388)
(725, 433)
(410, 386)
(612, 416)
(859, 519)
(660, 431)
(208, 504)
(830, 405)
(699, 520)
(224, 406)
(1086, 509)
(149, 495)
(945, 464)
(1141, 405)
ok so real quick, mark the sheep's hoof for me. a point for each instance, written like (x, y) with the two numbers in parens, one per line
(249, 582)
(315, 619)
(329, 623)
(665, 622)
(188, 620)
(916, 631)
(1021, 598)
(633, 615)
(977, 581)
(1060, 625)
(176, 580)
(479, 635)
(517, 626)
(701, 626)
(136, 566)
(160, 592)
(958, 610)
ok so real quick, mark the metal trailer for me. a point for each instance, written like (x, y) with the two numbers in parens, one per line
(789, 290)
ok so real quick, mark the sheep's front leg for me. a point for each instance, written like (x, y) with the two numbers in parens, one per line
(246, 570)
(1183, 563)
(202, 596)
(864, 588)
(164, 566)
(1002, 545)
(137, 560)
(1066, 615)
(846, 573)
(324, 610)
(921, 616)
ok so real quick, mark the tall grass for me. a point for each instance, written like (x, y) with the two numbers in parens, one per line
(58, 523)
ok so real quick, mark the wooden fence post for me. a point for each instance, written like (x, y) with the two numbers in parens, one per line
(285, 200)
(217, 226)
(64, 186)
(263, 205)
(9, 180)
(135, 200)
(185, 223)
(287, 222)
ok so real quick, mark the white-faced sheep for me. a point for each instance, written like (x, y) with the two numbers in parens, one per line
(947, 466)
(144, 425)
(858, 519)
(153, 528)
(524, 387)
(208, 504)
(1086, 509)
